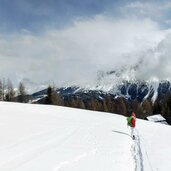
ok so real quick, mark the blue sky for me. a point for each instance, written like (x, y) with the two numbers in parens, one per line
(40, 14)
(35, 15)
(71, 41)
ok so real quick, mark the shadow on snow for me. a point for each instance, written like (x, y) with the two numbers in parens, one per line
(119, 132)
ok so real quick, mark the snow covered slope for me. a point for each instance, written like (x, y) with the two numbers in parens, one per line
(51, 138)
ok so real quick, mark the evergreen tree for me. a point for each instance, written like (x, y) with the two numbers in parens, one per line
(108, 102)
(147, 108)
(120, 106)
(137, 108)
(52, 97)
(156, 107)
(91, 104)
(21, 93)
(10, 91)
(105, 108)
(3, 88)
(80, 103)
(1, 91)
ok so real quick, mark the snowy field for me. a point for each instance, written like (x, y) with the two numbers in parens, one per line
(51, 138)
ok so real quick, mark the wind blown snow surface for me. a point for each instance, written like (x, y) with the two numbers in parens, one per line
(52, 138)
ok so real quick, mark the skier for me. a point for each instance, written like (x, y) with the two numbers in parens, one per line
(131, 120)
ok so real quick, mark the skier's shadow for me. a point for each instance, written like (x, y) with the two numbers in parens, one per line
(121, 133)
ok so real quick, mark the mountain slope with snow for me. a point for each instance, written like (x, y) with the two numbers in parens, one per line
(139, 90)
(52, 138)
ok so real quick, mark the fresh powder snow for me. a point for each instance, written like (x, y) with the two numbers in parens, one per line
(53, 138)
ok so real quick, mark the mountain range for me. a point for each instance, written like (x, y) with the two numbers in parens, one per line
(128, 90)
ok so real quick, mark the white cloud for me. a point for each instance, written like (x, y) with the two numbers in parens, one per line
(151, 9)
(75, 54)
(157, 62)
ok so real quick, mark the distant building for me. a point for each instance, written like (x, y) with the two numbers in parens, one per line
(157, 119)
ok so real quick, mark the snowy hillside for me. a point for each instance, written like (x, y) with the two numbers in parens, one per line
(51, 138)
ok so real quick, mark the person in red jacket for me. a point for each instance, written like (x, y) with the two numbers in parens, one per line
(131, 121)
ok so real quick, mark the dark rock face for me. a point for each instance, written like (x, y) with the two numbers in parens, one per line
(132, 91)
(164, 88)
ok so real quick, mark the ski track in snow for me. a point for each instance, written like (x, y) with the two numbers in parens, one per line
(137, 153)
(29, 154)
(76, 159)
(83, 155)
(27, 139)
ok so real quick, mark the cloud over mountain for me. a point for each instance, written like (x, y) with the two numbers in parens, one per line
(75, 53)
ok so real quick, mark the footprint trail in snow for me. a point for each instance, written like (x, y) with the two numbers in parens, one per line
(137, 153)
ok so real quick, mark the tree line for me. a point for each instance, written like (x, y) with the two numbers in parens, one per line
(109, 103)
(8, 93)
(113, 104)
